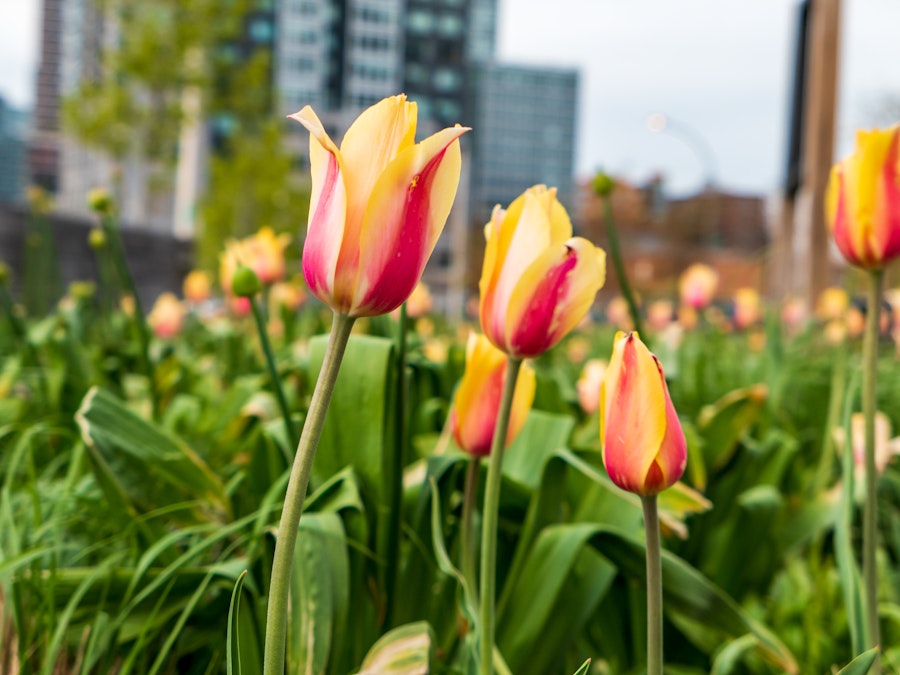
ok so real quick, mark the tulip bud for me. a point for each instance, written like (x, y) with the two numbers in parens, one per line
(863, 200)
(644, 449)
(167, 316)
(477, 400)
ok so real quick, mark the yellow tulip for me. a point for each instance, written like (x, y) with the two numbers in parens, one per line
(538, 281)
(477, 400)
(863, 199)
(644, 450)
(378, 205)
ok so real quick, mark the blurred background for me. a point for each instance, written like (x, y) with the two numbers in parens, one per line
(717, 120)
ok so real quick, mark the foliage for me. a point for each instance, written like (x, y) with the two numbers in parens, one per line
(125, 537)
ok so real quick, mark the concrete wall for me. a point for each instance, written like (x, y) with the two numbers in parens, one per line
(158, 262)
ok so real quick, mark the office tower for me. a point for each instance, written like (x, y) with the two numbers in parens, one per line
(13, 134)
(525, 118)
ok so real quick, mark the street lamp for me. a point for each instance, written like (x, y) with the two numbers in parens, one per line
(659, 123)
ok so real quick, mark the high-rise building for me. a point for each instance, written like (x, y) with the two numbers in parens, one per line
(525, 117)
(13, 135)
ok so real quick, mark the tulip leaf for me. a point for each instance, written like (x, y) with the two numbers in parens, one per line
(233, 663)
(406, 650)
(145, 465)
(861, 664)
(731, 655)
(357, 427)
(723, 423)
(318, 588)
(584, 668)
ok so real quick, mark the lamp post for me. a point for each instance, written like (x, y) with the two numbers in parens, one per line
(693, 139)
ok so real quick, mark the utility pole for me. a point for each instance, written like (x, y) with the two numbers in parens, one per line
(800, 254)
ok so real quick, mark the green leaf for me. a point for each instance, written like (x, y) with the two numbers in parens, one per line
(150, 467)
(729, 658)
(723, 423)
(356, 427)
(406, 650)
(233, 663)
(861, 664)
(318, 591)
(584, 668)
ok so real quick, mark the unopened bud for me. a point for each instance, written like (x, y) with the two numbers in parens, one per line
(97, 239)
(245, 283)
(100, 201)
(603, 184)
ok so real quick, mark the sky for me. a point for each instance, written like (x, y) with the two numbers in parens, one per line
(719, 70)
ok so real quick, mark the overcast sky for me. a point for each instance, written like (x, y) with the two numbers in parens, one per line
(720, 69)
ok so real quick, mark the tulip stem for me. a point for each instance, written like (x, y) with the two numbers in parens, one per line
(467, 543)
(490, 514)
(870, 512)
(282, 564)
(654, 587)
(392, 462)
(616, 254)
(117, 249)
(289, 427)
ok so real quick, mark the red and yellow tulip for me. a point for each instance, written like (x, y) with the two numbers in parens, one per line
(538, 281)
(378, 205)
(863, 199)
(477, 400)
(167, 316)
(697, 285)
(644, 450)
(197, 286)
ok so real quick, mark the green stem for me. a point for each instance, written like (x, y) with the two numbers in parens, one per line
(279, 588)
(289, 426)
(117, 248)
(870, 513)
(21, 331)
(489, 515)
(467, 543)
(654, 587)
(615, 253)
(392, 472)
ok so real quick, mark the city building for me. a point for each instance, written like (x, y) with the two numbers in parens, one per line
(13, 143)
(338, 56)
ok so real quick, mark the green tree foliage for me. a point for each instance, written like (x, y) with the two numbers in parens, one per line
(129, 104)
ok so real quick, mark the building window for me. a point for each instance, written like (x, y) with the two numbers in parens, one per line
(450, 25)
(446, 79)
(420, 21)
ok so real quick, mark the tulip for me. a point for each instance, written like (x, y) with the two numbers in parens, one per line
(832, 303)
(197, 286)
(538, 281)
(697, 285)
(644, 450)
(377, 207)
(289, 295)
(264, 254)
(863, 200)
(617, 314)
(167, 316)
(477, 399)
(748, 308)
(588, 385)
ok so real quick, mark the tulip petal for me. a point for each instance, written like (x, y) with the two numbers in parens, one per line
(406, 213)
(633, 414)
(672, 456)
(327, 208)
(553, 295)
(372, 142)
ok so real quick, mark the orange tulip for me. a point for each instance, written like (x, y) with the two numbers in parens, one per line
(644, 450)
(863, 199)
(538, 281)
(197, 286)
(477, 400)
(377, 208)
